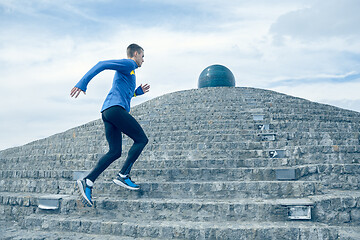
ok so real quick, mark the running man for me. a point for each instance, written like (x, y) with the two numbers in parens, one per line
(116, 118)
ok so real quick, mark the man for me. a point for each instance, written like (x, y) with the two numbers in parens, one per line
(116, 118)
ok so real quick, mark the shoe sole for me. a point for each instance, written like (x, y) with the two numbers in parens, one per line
(117, 182)
(82, 193)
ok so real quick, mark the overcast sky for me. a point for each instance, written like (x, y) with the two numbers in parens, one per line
(304, 48)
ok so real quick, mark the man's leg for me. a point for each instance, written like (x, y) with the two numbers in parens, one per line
(129, 126)
(133, 129)
(114, 139)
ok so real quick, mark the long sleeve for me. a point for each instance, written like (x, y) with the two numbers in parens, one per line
(117, 65)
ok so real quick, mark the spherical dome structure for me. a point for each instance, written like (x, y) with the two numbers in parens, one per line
(216, 76)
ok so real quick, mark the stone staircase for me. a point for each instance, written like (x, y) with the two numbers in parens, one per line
(221, 163)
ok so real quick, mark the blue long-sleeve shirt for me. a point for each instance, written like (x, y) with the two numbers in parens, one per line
(124, 82)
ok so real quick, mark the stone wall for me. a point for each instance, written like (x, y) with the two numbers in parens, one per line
(221, 163)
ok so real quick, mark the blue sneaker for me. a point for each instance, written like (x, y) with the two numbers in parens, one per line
(126, 182)
(85, 192)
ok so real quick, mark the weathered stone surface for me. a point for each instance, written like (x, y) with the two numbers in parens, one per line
(207, 172)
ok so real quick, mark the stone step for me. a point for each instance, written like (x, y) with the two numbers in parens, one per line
(240, 105)
(245, 141)
(99, 134)
(278, 126)
(335, 207)
(266, 144)
(157, 209)
(235, 136)
(202, 134)
(182, 121)
(243, 149)
(246, 104)
(221, 124)
(194, 114)
(87, 161)
(201, 139)
(184, 229)
(237, 97)
(265, 100)
(12, 230)
(300, 155)
(184, 190)
(214, 127)
(338, 207)
(328, 174)
(217, 148)
(214, 111)
(236, 108)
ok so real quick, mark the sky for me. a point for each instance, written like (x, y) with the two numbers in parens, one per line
(303, 48)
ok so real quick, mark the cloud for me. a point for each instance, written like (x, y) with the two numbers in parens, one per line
(47, 46)
(322, 20)
(341, 79)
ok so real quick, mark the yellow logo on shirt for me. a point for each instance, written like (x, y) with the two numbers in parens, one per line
(132, 72)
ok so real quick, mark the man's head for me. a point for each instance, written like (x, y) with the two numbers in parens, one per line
(136, 53)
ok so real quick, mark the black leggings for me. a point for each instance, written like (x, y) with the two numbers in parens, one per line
(117, 121)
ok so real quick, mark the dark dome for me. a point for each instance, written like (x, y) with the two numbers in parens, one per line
(216, 76)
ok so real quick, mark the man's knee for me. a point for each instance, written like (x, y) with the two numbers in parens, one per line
(143, 141)
(146, 140)
(115, 153)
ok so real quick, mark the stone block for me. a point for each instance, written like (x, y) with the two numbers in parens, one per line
(298, 209)
(355, 215)
(258, 117)
(49, 202)
(286, 174)
(277, 154)
(267, 136)
(299, 212)
(344, 217)
(263, 127)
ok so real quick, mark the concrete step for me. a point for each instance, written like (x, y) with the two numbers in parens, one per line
(156, 209)
(99, 136)
(254, 138)
(231, 135)
(334, 208)
(299, 155)
(325, 146)
(90, 130)
(185, 229)
(87, 161)
(253, 127)
(336, 174)
(12, 230)
(337, 207)
(193, 119)
(197, 114)
(214, 110)
(167, 144)
(183, 190)
(233, 97)
(247, 103)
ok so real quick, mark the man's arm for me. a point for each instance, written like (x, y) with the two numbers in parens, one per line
(118, 65)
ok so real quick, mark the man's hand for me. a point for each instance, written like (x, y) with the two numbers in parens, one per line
(75, 92)
(145, 88)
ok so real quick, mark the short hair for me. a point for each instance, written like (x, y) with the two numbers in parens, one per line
(132, 48)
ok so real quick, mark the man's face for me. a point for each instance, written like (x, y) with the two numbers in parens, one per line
(139, 58)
